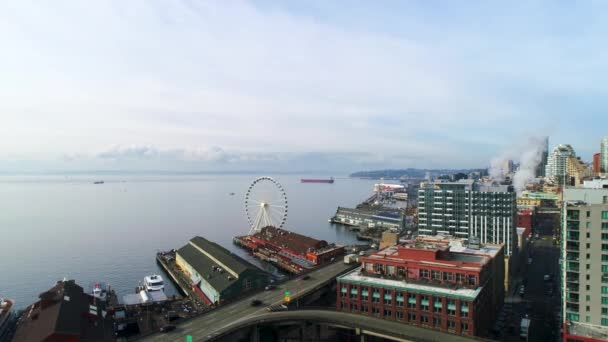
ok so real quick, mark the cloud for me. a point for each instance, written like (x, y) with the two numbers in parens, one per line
(257, 82)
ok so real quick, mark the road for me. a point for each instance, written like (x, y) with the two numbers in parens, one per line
(536, 302)
(206, 325)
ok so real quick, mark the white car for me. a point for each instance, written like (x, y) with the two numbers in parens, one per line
(529, 261)
(522, 290)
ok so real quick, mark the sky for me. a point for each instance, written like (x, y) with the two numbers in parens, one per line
(336, 86)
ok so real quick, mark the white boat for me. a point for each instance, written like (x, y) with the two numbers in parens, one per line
(98, 292)
(154, 283)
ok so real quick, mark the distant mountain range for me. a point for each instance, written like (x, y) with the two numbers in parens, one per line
(410, 172)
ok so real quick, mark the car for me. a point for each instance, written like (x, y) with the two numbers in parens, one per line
(167, 328)
(547, 277)
(362, 253)
(269, 287)
(256, 302)
(171, 316)
(522, 290)
(305, 277)
(529, 261)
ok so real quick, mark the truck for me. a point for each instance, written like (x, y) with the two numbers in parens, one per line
(350, 258)
(524, 328)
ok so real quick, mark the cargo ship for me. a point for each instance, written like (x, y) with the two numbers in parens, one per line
(311, 180)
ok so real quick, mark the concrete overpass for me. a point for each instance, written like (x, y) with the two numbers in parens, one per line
(309, 325)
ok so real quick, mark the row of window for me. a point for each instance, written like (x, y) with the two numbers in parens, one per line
(575, 215)
(409, 317)
(423, 273)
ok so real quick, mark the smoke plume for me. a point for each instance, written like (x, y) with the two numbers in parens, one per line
(528, 155)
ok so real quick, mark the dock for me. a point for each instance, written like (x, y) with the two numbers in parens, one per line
(166, 260)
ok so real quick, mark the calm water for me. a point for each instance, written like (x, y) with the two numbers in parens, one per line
(55, 227)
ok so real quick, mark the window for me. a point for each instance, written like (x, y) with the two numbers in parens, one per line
(376, 312)
(411, 301)
(588, 213)
(573, 214)
(376, 296)
(464, 327)
(604, 289)
(604, 257)
(605, 247)
(435, 275)
(472, 280)
(424, 273)
(364, 295)
(390, 270)
(354, 293)
(437, 305)
(605, 199)
(604, 311)
(424, 319)
(343, 291)
(604, 225)
(437, 322)
(450, 275)
(604, 215)
(459, 277)
(424, 303)
(451, 307)
(411, 317)
(399, 315)
(353, 308)
(605, 322)
(604, 268)
(588, 225)
(364, 308)
(464, 310)
(400, 299)
(604, 236)
(388, 313)
(451, 325)
(605, 300)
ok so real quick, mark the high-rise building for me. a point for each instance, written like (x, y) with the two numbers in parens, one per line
(597, 164)
(604, 155)
(557, 162)
(540, 168)
(434, 282)
(465, 208)
(585, 263)
(577, 171)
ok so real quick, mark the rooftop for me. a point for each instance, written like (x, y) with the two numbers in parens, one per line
(587, 330)
(222, 256)
(65, 309)
(294, 242)
(356, 276)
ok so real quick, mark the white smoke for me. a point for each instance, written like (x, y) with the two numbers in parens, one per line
(529, 160)
(528, 155)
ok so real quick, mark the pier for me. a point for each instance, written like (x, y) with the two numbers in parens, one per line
(167, 262)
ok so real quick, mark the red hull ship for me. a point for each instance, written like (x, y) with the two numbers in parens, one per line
(308, 180)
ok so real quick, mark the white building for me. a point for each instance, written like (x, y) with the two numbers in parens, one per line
(557, 162)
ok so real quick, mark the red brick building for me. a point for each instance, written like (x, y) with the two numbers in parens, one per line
(438, 284)
(597, 163)
(525, 219)
(295, 245)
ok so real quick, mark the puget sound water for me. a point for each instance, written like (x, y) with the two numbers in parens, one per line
(55, 227)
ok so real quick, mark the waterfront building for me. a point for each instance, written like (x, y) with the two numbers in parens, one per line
(300, 249)
(432, 282)
(464, 209)
(557, 162)
(371, 217)
(216, 274)
(585, 263)
(597, 164)
(604, 155)
(66, 313)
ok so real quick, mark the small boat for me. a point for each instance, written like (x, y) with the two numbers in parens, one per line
(232, 194)
(98, 292)
(98, 182)
(154, 283)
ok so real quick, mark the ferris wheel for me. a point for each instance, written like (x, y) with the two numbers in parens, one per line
(265, 204)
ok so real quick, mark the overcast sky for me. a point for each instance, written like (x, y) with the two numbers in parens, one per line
(295, 85)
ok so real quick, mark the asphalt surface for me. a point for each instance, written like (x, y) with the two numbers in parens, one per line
(537, 302)
(207, 325)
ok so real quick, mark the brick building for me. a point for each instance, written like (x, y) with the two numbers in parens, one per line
(436, 283)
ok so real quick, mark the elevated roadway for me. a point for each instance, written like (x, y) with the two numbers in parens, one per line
(211, 322)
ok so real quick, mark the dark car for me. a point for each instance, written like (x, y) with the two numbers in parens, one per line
(171, 316)
(306, 277)
(256, 302)
(269, 287)
(167, 328)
